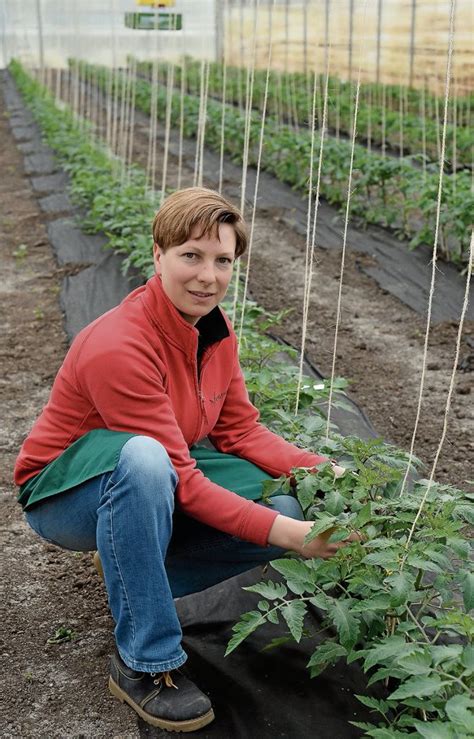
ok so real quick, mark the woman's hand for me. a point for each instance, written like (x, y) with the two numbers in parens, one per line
(337, 469)
(290, 534)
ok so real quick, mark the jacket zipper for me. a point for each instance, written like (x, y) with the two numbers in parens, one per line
(200, 394)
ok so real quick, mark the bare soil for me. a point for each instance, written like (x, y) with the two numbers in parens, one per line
(59, 689)
(49, 689)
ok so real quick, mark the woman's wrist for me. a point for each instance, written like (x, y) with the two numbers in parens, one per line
(289, 533)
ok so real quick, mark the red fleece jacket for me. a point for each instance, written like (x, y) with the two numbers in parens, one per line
(135, 369)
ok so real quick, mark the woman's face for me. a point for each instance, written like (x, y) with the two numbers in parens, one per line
(196, 274)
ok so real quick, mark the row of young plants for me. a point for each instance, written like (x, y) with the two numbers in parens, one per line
(398, 119)
(386, 191)
(403, 609)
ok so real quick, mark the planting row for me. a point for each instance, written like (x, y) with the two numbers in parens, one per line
(389, 117)
(387, 192)
(394, 600)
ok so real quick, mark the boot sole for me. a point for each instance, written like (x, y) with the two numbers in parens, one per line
(183, 726)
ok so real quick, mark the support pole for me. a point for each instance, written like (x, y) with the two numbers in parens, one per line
(351, 35)
(379, 36)
(412, 43)
(40, 36)
(326, 33)
(305, 37)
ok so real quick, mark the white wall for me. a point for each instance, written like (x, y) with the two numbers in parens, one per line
(95, 30)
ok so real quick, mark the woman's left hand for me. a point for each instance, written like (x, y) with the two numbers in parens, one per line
(337, 469)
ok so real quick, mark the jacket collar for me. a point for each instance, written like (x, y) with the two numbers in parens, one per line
(165, 316)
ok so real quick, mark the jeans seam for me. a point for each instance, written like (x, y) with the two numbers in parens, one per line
(121, 579)
(172, 664)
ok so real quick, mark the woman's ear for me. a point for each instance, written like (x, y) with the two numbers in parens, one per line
(156, 258)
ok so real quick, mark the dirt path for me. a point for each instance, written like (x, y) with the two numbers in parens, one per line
(59, 689)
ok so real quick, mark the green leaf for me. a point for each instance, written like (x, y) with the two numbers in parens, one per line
(248, 623)
(461, 547)
(324, 655)
(362, 725)
(334, 502)
(386, 733)
(418, 663)
(423, 564)
(294, 613)
(306, 491)
(339, 535)
(268, 589)
(434, 730)
(468, 590)
(460, 710)
(346, 624)
(279, 641)
(363, 516)
(263, 605)
(322, 601)
(388, 559)
(445, 652)
(297, 575)
(322, 524)
(417, 686)
(391, 647)
(401, 585)
(378, 705)
(272, 616)
(379, 602)
(467, 658)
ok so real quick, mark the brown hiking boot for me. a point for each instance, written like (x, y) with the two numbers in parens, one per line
(168, 700)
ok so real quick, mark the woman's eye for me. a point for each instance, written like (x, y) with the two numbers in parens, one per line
(189, 255)
(224, 260)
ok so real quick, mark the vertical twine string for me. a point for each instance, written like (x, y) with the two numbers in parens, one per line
(169, 103)
(423, 127)
(346, 224)
(224, 93)
(203, 126)
(435, 244)
(132, 113)
(450, 393)
(257, 180)
(151, 158)
(198, 135)
(310, 242)
(181, 121)
(248, 121)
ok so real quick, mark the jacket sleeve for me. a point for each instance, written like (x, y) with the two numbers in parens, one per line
(132, 397)
(238, 431)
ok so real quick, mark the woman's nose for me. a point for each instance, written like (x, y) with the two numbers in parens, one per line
(206, 273)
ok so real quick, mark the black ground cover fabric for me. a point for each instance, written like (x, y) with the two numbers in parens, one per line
(264, 694)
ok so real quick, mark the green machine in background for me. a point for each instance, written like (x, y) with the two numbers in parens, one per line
(159, 17)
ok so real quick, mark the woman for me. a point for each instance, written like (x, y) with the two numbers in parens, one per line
(111, 465)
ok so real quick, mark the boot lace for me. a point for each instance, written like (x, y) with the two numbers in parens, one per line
(164, 677)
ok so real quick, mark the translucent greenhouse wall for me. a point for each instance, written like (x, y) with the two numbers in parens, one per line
(402, 42)
(47, 32)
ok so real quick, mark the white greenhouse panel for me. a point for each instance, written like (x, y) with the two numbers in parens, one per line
(97, 31)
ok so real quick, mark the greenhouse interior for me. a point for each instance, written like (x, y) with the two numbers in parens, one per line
(270, 203)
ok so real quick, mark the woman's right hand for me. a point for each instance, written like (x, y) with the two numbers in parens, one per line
(290, 534)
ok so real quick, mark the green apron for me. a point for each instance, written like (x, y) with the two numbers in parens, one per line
(99, 451)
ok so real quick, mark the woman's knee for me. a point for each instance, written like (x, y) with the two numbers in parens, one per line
(146, 461)
(288, 505)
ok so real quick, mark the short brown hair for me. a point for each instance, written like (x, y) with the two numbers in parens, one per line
(196, 206)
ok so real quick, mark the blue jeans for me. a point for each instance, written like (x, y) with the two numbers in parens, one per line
(149, 554)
